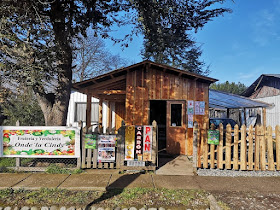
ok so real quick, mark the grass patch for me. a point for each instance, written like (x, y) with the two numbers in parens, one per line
(137, 197)
(55, 169)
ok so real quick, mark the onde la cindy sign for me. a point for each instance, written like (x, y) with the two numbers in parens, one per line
(43, 142)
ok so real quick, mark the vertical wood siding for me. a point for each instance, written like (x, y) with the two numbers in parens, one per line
(152, 84)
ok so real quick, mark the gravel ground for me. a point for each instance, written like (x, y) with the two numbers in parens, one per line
(232, 173)
(249, 200)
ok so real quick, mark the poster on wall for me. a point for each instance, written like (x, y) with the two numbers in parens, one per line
(106, 148)
(190, 121)
(43, 141)
(138, 154)
(190, 108)
(90, 141)
(196, 109)
(202, 107)
(148, 139)
(129, 142)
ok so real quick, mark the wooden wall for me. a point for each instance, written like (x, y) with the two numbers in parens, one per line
(147, 84)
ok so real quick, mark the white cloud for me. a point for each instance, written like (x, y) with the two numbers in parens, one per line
(266, 25)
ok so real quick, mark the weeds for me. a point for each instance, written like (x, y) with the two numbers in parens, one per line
(55, 169)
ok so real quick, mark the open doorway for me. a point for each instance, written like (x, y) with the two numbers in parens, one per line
(158, 113)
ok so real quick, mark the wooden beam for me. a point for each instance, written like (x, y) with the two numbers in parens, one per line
(88, 111)
(110, 92)
(111, 97)
(107, 82)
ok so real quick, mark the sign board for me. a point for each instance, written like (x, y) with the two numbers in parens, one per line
(138, 155)
(90, 141)
(106, 148)
(213, 137)
(129, 142)
(135, 163)
(148, 139)
(43, 142)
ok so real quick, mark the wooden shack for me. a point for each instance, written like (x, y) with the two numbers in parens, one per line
(147, 91)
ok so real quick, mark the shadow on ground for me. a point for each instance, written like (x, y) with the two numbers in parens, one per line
(119, 185)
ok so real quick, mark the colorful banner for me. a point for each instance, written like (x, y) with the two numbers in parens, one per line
(138, 155)
(106, 148)
(129, 142)
(148, 139)
(213, 137)
(90, 141)
(46, 142)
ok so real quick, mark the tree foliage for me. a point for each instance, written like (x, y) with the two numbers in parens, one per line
(37, 39)
(229, 87)
(167, 27)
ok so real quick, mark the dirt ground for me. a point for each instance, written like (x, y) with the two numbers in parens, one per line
(248, 200)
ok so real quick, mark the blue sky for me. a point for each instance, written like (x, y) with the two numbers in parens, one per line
(239, 46)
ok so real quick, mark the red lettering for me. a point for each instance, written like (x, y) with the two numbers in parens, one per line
(148, 129)
(147, 147)
(147, 139)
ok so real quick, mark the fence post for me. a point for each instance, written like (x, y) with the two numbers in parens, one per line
(195, 139)
(243, 160)
(79, 160)
(18, 161)
(120, 146)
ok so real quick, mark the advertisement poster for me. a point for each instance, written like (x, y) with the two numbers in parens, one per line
(138, 155)
(90, 141)
(106, 148)
(148, 139)
(46, 142)
(190, 121)
(129, 143)
(197, 106)
(213, 137)
(190, 108)
(202, 107)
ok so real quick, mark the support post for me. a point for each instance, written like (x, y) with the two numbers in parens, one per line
(154, 146)
(264, 116)
(100, 116)
(18, 162)
(88, 111)
(195, 140)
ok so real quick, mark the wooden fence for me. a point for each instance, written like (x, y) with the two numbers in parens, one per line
(89, 156)
(238, 149)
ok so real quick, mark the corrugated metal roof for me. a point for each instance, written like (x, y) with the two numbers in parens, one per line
(219, 99)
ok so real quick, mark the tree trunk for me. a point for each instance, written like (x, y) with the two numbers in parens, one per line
(55, 106)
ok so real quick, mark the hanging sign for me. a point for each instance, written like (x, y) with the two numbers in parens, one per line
(42, 141)
(106, 148)
(213, 137)
(129, 142)
(148, 139)
(90, 141)
(138, 155)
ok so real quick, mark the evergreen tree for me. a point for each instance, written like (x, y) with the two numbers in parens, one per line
(235, 88)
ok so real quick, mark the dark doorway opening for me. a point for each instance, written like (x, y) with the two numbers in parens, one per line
(158, 113)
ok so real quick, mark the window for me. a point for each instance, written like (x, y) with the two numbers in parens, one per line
(81, 109)
(176, 114)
